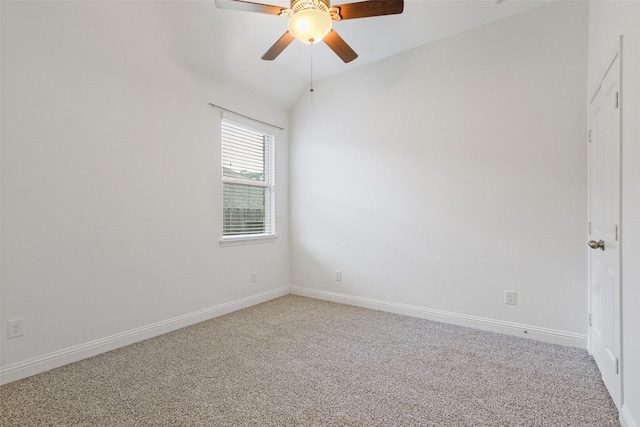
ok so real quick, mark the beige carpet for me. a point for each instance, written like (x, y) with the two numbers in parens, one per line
(302, 362)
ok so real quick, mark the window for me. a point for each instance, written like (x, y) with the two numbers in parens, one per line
(248, 182)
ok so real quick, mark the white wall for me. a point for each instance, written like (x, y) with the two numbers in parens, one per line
(438, 178)
(608, 20)
(111, 212)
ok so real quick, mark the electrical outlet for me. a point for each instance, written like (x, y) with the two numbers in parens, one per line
(338, 276)
(510, 297)
(15, 328)
(254, 277)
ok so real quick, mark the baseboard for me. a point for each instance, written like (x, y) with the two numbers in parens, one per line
(59, 358)
(625, 418)
(527, 331)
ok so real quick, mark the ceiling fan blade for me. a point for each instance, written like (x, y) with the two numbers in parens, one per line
(248, 6)
(339, 46)
(278, 47)
(366, 9)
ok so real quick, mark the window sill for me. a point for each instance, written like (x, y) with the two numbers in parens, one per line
(248, 240)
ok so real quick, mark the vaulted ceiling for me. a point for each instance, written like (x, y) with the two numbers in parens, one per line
(227, 44)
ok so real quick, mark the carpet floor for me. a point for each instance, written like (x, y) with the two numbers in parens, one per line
(297, 361)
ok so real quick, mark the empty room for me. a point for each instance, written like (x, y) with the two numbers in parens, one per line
(380, 212)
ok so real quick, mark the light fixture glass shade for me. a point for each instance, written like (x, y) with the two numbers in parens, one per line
(310, 25)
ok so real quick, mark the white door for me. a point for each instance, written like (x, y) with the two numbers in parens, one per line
(604, 228)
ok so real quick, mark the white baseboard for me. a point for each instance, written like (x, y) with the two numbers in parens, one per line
(534, 332)
(59, 358)
(625, 418)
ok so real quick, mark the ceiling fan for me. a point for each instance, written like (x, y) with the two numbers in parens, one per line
(311, 20)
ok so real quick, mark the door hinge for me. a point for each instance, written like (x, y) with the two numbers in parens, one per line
(589, 135)
(617, 99)
(617, 366)
(616, 233)
(589, 227)
(590, 320)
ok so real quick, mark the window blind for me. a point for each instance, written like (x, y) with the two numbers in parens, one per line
(248, 175)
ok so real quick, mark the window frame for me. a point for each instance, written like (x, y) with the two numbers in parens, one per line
(269, 185)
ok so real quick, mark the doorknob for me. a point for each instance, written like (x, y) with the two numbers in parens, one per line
(595, 245)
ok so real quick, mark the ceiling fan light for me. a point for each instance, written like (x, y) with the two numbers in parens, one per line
(310, 25)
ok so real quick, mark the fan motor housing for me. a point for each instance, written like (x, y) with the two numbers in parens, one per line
(297, 5)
